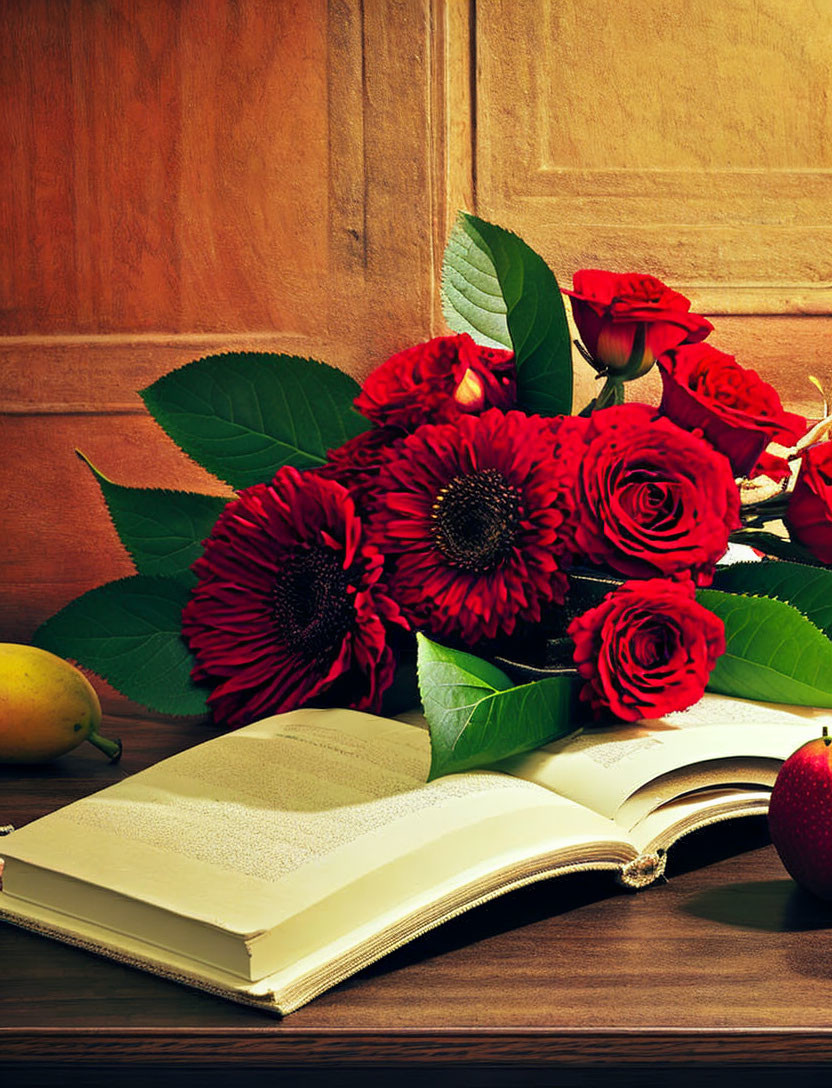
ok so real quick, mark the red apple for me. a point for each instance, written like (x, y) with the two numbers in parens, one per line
(800, 815)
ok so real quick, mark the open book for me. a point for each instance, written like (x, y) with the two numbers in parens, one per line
(270, 863)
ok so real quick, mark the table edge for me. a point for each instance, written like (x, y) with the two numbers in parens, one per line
(380, 1046)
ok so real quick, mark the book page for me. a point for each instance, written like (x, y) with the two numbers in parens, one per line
(601, 767)
(698, 779)
(701, 808)
(255, 828)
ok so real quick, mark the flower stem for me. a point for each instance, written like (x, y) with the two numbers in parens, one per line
(611, 393)
(769, 510)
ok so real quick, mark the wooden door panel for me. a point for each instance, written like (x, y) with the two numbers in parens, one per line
(167, 165)
(179, 178)
(182, 178)
(690, 141)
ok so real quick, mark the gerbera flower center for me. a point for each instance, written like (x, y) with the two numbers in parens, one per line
(475, 519)
(312, 607)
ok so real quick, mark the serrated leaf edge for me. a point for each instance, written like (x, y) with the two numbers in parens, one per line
(766, 597)
(147, 391)
(99, 476)
(149, 704)
(751, 565)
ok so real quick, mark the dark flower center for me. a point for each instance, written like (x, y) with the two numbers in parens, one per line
(649, 501)
(311, 606)
(653, 645)
(475, 519)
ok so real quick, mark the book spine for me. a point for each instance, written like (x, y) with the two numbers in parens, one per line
(643, 870)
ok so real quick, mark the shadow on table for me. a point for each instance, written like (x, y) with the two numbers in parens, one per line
(774, 906)
(535, 903)
(514, 910)
(716, 843)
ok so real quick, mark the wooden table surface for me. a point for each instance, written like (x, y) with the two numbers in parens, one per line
(722, 974)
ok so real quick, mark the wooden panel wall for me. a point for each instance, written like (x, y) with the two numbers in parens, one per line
(692, 141)
(179, 177)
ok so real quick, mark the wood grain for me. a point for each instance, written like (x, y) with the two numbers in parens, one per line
(453, 123)
(216, 167)
(168, 165)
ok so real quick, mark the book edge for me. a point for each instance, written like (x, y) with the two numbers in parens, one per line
(42, 922)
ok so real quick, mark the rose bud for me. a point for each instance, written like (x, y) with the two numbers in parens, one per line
(647, 649)
(809, 513)
(627, 321)
(470, 393)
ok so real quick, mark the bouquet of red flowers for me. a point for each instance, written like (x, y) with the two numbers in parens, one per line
(538, 566)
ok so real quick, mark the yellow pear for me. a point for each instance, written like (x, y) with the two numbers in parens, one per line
(47, 707)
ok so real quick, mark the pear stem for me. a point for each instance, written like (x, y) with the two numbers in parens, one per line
(827, 740)
(111, 748)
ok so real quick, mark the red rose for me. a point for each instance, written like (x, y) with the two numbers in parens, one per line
(653, 499)
(737, 411)
(438, 382)
(769, 464)
(647, 649)
(809, 514)
(626, 322)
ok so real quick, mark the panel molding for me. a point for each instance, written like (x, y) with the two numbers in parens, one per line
(346, 65)
(452, 128)
(562, 87)
(103, 375)
(188, 179)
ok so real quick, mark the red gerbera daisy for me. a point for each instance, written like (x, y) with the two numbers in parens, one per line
(473, 518)
(289, 602)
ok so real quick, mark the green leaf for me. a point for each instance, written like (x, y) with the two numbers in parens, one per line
(472, 299)
(773, 653)
(161, 530)
(475, 715)
(809, 589)
(497, 289)
(128, 632)
(244, 415)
